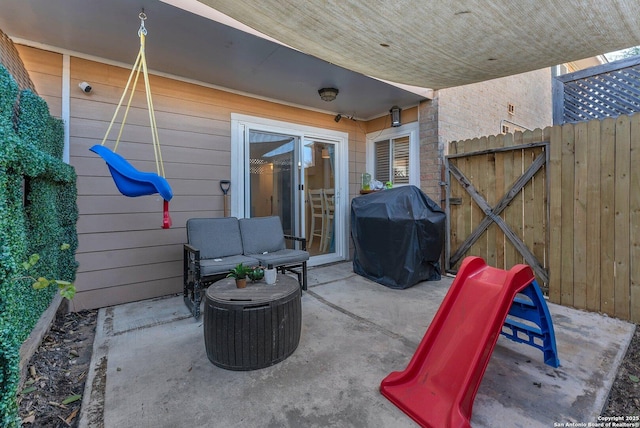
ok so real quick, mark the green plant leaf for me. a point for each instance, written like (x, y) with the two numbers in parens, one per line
(239, 271)
(634, 378)
(71, 399)
(65, 246)
(34, 258)
(41, 283)
(28, 390)
(68, 292)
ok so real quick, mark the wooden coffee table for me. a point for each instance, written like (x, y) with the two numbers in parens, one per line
(254, 327)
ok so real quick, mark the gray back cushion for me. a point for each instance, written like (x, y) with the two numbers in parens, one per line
(260, 234)
(215, 237)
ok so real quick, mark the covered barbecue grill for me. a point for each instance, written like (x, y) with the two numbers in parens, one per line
(398, 235)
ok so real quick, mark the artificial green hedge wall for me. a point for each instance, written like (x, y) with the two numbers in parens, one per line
(38, 213)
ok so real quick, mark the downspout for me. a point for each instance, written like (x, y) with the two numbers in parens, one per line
(66, 84)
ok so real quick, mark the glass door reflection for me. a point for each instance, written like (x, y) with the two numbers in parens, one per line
(273, 178)
(319, 179)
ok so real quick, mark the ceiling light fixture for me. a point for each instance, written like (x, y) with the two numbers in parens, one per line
(328, 94)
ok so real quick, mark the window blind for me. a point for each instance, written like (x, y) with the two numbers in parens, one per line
(383, 160)
(401, 161)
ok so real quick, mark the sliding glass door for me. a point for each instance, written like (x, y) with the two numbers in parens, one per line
(293, 172)
(272, 178)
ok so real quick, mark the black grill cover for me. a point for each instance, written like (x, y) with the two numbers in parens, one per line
(398, 236)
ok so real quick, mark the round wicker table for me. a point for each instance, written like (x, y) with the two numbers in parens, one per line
(254, 327)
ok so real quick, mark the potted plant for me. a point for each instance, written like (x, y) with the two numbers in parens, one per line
(256, 274)
(240, 272)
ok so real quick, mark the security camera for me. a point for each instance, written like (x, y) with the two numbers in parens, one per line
(85, 87)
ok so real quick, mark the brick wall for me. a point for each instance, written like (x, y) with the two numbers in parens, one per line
(431, 149)
(479, 110)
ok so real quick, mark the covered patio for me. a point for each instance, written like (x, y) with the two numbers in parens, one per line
(150, 368)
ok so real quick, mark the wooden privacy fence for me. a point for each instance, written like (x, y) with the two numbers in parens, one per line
(565, 200)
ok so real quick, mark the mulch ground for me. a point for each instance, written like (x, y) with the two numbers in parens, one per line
(52, 393)
(624, 398)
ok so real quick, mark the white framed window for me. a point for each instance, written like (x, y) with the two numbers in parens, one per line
(394, 155)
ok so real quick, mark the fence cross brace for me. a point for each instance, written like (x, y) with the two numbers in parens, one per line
(492, 215)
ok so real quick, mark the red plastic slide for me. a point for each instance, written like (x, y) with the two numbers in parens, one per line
(439, 385)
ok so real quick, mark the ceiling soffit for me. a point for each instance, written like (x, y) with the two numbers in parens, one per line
(437, 44)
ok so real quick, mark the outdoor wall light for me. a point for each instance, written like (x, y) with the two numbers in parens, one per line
(395, 116)
(328, 94)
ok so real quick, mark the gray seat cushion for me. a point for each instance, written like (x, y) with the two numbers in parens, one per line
(223, 265)
(215, 237)
(282, 257)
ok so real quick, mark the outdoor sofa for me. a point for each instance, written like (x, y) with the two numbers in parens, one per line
(215, 245)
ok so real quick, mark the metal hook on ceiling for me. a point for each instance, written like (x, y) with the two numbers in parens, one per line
(142, 17)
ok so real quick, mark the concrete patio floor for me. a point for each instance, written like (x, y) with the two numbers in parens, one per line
(150, 369)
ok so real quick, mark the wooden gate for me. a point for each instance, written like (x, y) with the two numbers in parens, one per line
(575, 219)
(497, 202)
